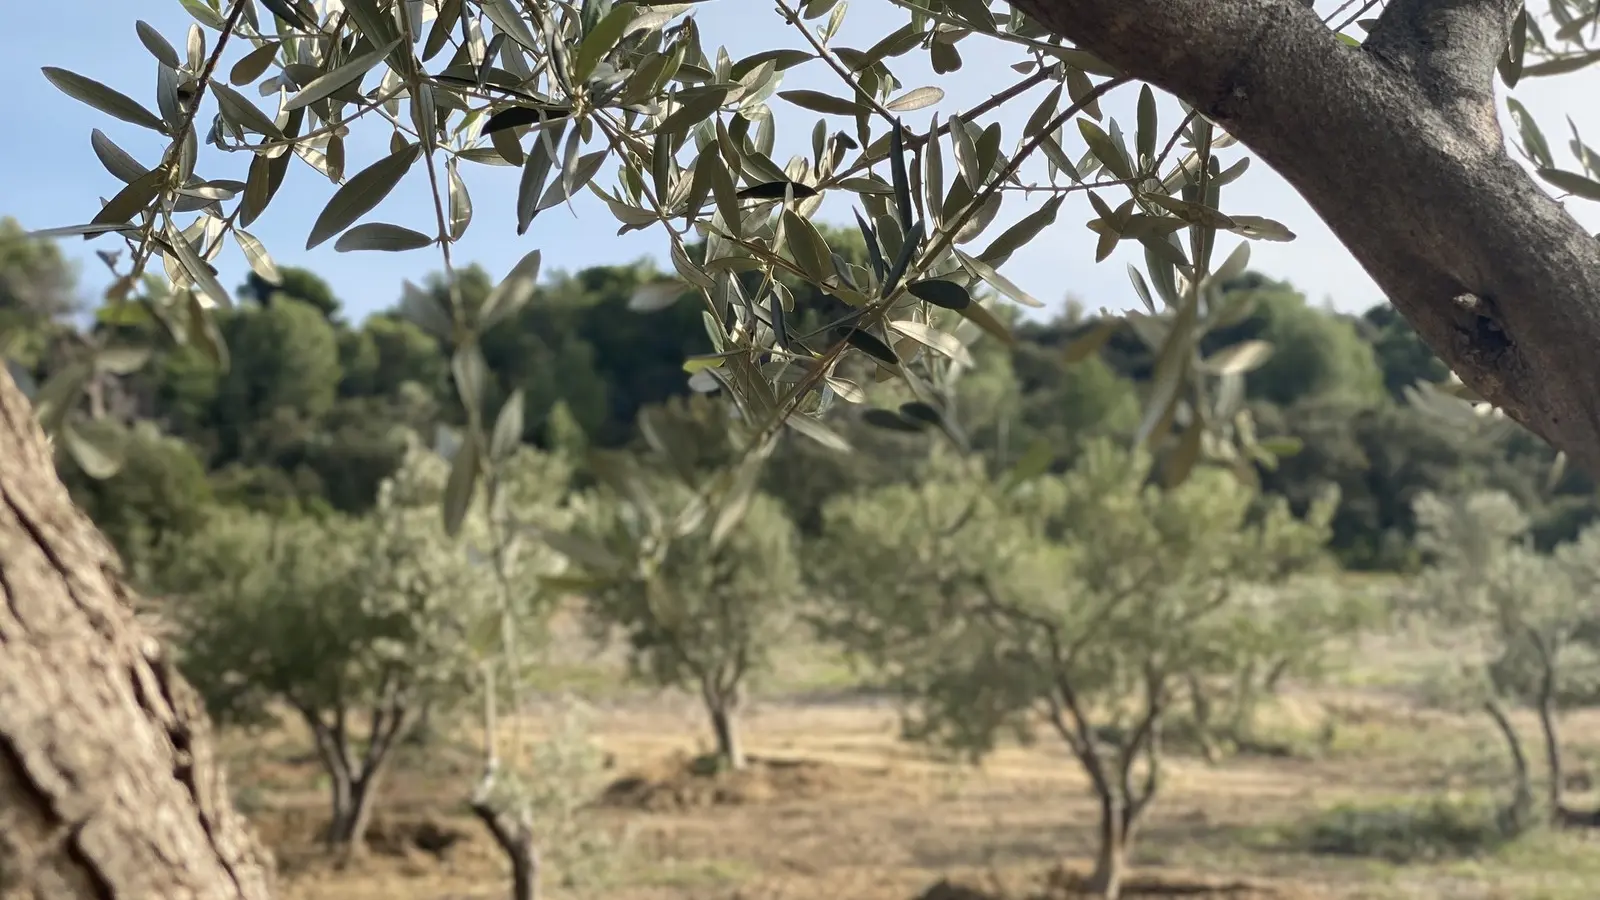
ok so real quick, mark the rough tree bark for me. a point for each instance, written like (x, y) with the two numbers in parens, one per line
(1397, 147)
(109, 785)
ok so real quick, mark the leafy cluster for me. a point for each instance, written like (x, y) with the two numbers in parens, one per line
(1080, 603)
(492, 83)
(1013, 602)
(1528, 617)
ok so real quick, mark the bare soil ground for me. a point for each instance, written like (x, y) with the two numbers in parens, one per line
(836, 806)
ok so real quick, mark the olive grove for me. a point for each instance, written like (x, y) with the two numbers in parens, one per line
(1082, 603)
(1533, 630)
(702, 592)
(1383, 115)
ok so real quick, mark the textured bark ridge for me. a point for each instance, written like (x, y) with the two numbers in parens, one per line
(1396, 145)
(109, 787)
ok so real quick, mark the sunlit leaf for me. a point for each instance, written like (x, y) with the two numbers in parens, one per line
(97, 447)
(198, 269)
(507, 436)
(818, 432)
(915, 99)
(381, 236)
(999, 282)
(656, 295)
(256, 254)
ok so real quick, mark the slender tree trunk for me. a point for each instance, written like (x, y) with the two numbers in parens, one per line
(515, 837)
(109, 782)
(352, 783)
(339, 802)
(354, 798)
(1200, 703)
(729, 748)
(1519, 813)
(1111, 859)
(1242, 717)
(723, 707)
(1551, 731)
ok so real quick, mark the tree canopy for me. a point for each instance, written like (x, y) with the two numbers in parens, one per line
(694, 131)
(1231, 403)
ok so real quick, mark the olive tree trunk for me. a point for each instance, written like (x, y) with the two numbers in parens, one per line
(353, 778)
(109, 782)
(722, 705)
(1398, 148)
(1123, 798)
(1111, 859)
(514, 835)
(1550, 731)
(1518, 814)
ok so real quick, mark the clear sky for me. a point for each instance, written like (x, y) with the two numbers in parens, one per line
(50, 177)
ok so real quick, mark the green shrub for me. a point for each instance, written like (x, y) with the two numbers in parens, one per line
(1425, 831)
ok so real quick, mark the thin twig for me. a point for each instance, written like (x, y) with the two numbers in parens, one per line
(141, 255)
(792, 17)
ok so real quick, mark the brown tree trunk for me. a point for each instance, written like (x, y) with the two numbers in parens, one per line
(352, 781)
(515, 838)
(1111, 860)
(1519, 812)
(353, 799)
(729, 748)
(1551, 732)
(723, 708)
(109, 783)
(1200, 703)
(1397, 146)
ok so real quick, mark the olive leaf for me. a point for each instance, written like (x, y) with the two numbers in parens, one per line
(915, 99)
(934, 339)
(364, 191)
(253, 64)
(116, 160)
(818, 432)
(600, 39)
(105, 99)
(157, 45)
(999, 282)
(827, 104)
(330, 82)
(256, 254)
(198, 270)
(460, 201)
(941, 292)
(460, 486)
(381, 236)
(242, 112)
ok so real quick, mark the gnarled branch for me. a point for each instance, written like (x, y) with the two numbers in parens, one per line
(1396, 145)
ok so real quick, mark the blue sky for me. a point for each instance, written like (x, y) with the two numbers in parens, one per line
(50, 177)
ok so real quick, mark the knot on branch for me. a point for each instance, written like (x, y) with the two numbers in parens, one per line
(1483, 349)
(1448, 49)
